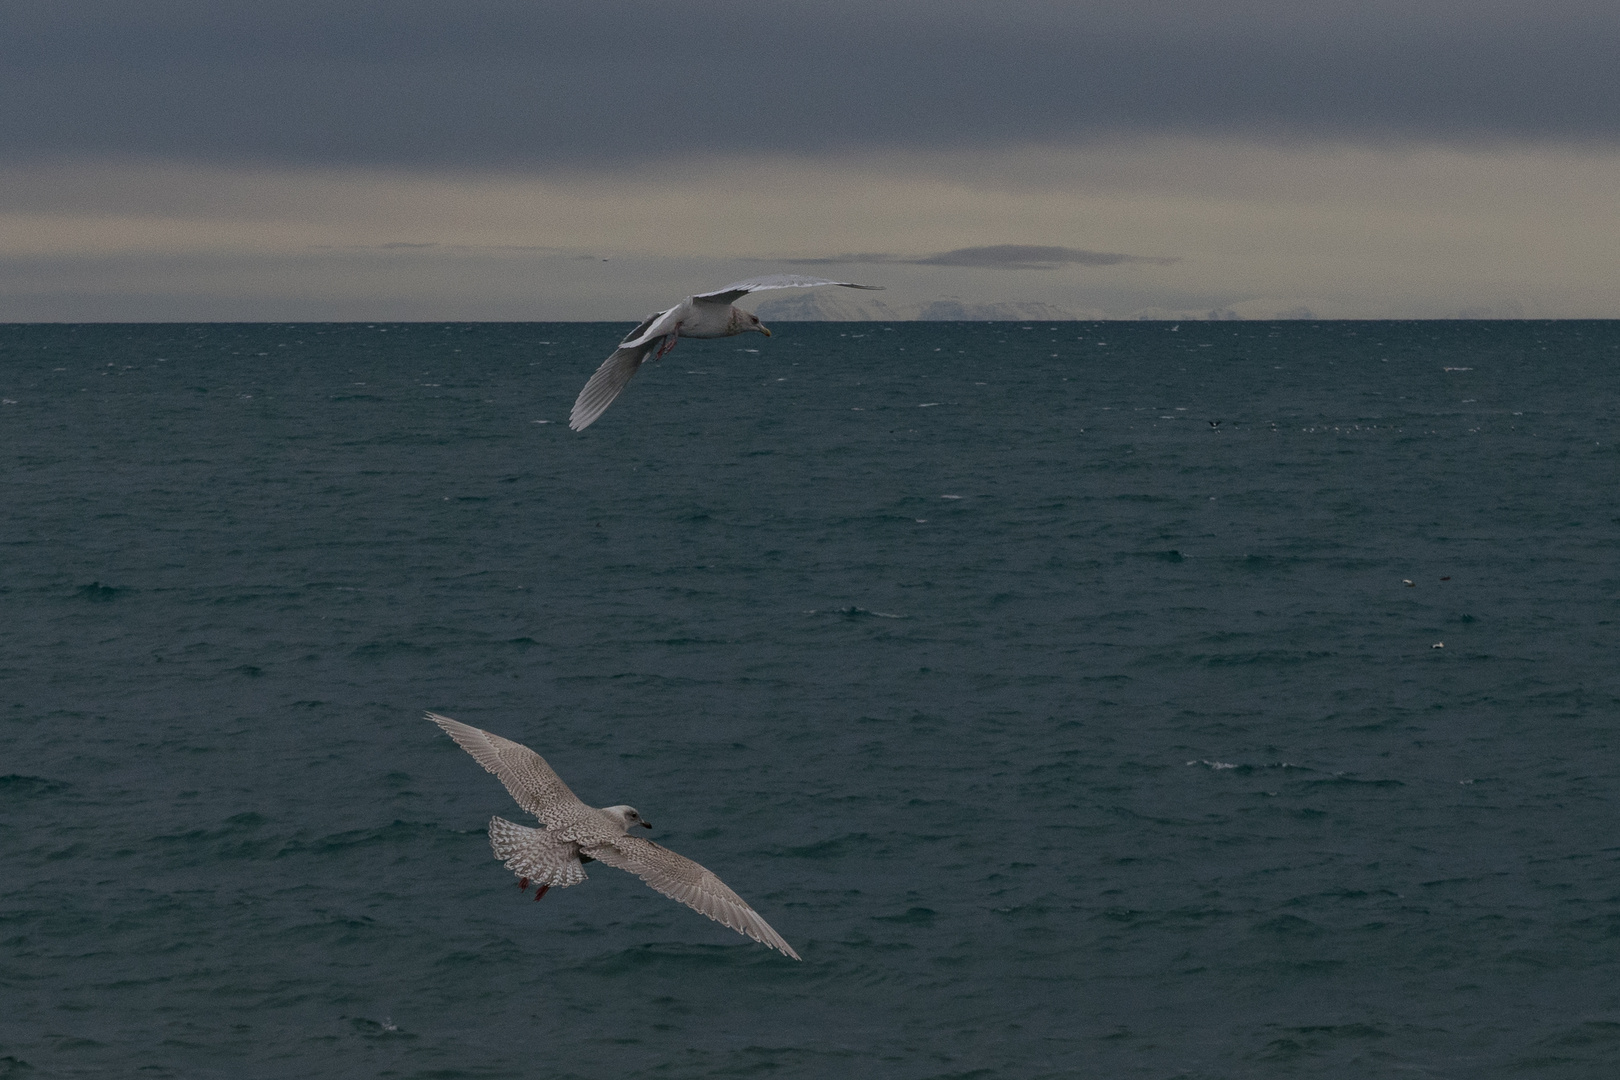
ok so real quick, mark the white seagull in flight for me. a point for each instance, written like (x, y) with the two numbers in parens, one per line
(706, 315)
(576, 834)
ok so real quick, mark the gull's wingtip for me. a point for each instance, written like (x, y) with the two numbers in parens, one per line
(764, 933)
(776, 941)
(779, 943)
(444, 722)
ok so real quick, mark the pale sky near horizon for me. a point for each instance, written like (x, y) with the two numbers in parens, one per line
(497, 159)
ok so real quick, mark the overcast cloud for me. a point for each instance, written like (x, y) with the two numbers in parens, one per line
(199, 159)
(475, 83)
(997, 256)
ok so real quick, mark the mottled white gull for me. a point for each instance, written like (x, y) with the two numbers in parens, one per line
(706, 315)
(576, 834)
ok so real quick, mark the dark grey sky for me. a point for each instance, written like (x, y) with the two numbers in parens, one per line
(501, 83)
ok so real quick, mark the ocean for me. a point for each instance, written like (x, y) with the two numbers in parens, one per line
(1138, 700)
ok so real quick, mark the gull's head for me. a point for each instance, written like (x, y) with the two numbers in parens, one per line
(626, 816)
(744, 322)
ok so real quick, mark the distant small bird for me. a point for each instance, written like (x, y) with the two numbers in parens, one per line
(706, 315)
(1438, 645)
(1409, 583)
(1214, 423)
(576, 834)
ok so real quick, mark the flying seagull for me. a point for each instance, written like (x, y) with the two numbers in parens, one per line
(575, 834)
(706, 315)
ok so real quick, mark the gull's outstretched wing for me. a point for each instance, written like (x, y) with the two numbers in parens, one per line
(734, 292)
(608, 382)
(679, 878)
(525, 773)
(654, 326)
(610, 379)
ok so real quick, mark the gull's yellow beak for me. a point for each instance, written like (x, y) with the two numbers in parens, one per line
(764, 329)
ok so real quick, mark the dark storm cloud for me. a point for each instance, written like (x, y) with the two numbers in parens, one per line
(481, 83)
(997, 257)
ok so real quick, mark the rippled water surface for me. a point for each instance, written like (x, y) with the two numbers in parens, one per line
(1071, 696)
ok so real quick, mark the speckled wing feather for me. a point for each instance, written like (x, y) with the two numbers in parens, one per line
(525, 773)
(679, 878)
(737, 290)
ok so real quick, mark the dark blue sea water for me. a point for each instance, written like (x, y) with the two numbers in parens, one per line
(1063, 732)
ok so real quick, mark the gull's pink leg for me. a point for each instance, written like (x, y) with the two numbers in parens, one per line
(523, 885)
(669, 341)
(541, 891)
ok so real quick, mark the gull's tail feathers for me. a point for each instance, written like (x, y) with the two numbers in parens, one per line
(535, 854)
